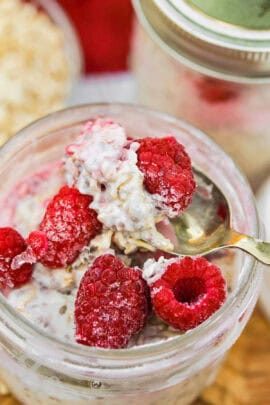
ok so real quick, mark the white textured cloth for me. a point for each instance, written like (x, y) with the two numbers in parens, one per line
(263, 200)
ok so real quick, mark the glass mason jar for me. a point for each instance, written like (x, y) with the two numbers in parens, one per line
(71, 43)
(37, 76)
(263, 203)
(40, 369)
(213, 73)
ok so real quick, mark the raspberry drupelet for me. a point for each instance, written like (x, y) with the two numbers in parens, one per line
(167, 173)
(69, 225)
(111, 304)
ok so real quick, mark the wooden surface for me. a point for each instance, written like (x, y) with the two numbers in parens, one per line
(244, 378)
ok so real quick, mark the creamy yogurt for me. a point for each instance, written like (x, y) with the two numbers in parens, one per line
(103, 163)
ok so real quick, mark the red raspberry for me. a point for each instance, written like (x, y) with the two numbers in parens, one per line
(11, 245)
(37, 246)
(167, 173)
(104, 28)
(69, 225)
(111, 304)
(188, 293)
(38, 243)
(217, 91)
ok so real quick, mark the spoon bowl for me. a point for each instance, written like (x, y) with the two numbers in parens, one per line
(205, 226)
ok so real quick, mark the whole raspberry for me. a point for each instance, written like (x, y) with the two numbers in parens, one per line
(167, 173)
(11, 245)
(215, 91)
(188, 292)
(69, 225)
(111, 304)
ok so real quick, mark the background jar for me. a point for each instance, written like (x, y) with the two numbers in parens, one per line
(42, 370)
(40, 62)
(211, 73)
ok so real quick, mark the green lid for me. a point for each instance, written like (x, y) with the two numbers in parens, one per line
(253, 14)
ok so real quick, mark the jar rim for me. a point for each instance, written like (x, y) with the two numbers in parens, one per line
(25, 330)
(205, 44)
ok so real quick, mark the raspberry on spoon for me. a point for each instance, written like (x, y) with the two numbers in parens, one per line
(167, 173)
(111, 304)
(186, 292)
(69, 225)
(11, 245)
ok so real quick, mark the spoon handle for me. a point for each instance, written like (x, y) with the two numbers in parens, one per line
(257, 248)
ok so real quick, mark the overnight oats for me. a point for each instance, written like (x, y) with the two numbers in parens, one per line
(93, 301)
(214, 75)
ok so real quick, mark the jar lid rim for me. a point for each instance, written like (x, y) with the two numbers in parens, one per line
(205, 44)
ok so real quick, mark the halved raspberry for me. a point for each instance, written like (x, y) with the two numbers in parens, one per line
(188, 292)
(11, 245)
(167, 173)
(111, 304)
(69, 225)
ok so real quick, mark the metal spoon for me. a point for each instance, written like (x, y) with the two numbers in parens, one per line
(205, 226)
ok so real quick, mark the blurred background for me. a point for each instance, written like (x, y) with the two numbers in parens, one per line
(53, 53)
(104, 29)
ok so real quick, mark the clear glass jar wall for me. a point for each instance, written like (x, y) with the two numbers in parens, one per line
(40, 369)
(234, 112)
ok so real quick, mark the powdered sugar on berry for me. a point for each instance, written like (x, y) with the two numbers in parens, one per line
(103, 163)
(153, 270)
